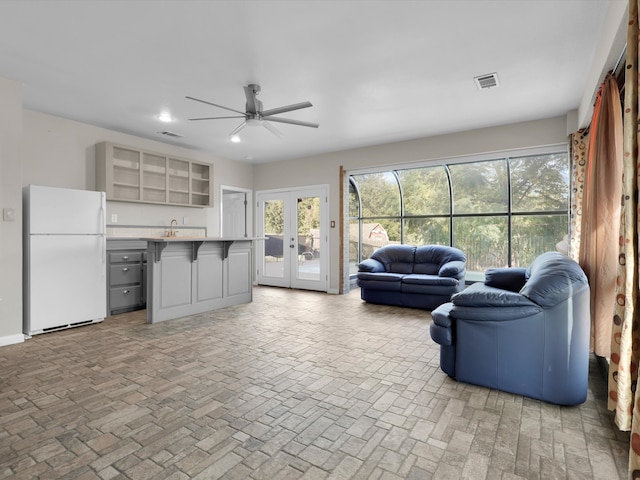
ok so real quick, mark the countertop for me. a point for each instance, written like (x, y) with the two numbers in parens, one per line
(197, 239)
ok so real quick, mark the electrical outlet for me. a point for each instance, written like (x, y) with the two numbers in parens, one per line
(114, 218)
(185, 220)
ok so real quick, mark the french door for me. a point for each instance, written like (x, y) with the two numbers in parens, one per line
(293, 225)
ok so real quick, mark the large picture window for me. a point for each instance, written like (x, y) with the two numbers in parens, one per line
(501, 211)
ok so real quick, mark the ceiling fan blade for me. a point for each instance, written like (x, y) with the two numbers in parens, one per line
(250, 92)
(272, 129)
(238, 129)
(288, 108)
(292, 122)
(215, 105)
(216, 118)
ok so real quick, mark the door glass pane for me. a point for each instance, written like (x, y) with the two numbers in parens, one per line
(540, 183)
(532, 235)
(483, 239)
(479, 187)
(273, 264)
(308, 258)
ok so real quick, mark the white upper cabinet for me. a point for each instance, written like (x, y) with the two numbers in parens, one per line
(131, 175)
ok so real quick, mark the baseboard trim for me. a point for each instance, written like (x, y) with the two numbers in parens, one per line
(11, 340)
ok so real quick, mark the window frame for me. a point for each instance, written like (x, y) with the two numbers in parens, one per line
(506, 156)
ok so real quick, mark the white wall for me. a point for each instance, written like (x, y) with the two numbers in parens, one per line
(10, 197)
(325, 169)
(61, 153)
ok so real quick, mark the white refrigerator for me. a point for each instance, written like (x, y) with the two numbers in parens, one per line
(65, 279)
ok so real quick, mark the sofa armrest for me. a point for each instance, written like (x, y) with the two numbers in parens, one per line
(370, 265)
(512, 279)
(452, 269)
(480, 295)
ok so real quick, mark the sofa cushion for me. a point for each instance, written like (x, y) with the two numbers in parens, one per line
(493, 314)
(430, 290)
(429, 258)
(512, 279)
(396, 258)
(426, 268)
(381, 276)
(553, 278)
(375, 284)
(430, 285)
(417, 279)
(481, 302)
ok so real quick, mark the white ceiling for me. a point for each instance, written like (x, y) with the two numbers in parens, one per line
(375, 71)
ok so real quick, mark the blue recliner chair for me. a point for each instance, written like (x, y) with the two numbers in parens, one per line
(524, 331)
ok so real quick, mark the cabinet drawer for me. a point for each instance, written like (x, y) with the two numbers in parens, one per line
(123, 274)
(121, 257)
(122, 297)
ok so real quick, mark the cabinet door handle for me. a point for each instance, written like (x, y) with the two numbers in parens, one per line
(125, 257)
(125, 269)
(125, 291)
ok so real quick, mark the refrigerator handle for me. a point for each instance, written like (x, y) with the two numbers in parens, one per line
(103, 226)
(103, 214)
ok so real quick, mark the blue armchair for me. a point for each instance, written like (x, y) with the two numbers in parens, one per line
(524, 331)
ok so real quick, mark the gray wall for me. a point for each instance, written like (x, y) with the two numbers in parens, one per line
(10, 197)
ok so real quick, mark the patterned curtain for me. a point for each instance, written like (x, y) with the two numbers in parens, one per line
(578, 143)
(625, 344)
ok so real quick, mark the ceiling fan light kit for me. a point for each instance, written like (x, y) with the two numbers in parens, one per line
(254, 115)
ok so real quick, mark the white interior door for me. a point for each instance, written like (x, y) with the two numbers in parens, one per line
(235, 212)
(294, 251)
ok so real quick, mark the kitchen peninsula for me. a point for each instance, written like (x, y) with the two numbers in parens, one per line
(194, 275)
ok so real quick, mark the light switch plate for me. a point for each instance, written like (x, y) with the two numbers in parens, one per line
(9, 214)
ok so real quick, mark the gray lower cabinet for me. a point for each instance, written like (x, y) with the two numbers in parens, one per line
(126, 277)
(195, 276)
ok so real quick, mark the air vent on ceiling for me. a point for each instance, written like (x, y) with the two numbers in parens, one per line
(171, 134)
(487, 81)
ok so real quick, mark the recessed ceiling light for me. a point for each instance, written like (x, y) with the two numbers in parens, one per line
(165, 117)
(235, 138)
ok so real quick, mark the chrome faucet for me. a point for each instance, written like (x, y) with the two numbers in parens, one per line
(171, 232)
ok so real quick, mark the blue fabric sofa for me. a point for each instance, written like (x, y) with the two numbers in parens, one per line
(409, 276)
(524, 331)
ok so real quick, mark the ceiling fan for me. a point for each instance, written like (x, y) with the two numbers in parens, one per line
(256, 116)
